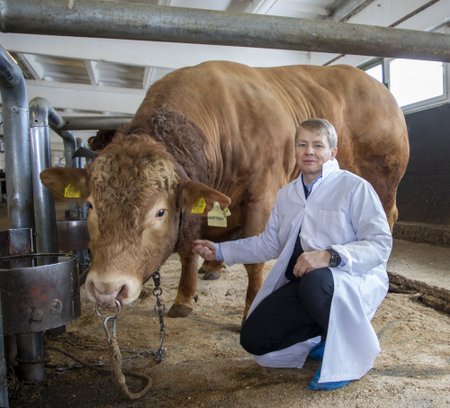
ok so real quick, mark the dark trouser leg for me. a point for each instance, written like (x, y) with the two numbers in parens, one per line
(316, 292)
(295, 312)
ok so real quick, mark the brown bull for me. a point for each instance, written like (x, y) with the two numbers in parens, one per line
(223, 132)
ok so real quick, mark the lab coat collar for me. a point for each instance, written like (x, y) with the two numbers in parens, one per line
(328, 167)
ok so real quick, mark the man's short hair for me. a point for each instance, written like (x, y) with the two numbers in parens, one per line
(322, 125)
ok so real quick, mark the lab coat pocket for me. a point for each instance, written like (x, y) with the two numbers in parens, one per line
(331, 227)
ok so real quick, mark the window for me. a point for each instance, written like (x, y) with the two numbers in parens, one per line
(413, 81)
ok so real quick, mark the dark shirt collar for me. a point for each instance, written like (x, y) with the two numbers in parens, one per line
(308, 188)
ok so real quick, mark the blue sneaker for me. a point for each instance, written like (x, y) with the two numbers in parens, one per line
(327, 386)
(316, 353)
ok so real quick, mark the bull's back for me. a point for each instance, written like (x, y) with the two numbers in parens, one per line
(218, 96)
(231, 101)
(249, 135)
(249, 116)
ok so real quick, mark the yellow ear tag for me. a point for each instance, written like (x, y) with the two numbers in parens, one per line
(199, 206)
(71, 192)
(226, 212)
(216, 217)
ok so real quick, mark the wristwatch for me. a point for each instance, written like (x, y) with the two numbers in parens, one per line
(335, 259)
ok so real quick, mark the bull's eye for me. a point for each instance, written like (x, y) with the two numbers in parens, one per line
(160, 213)
(89, 205)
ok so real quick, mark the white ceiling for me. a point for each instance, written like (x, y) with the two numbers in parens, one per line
(105, 76)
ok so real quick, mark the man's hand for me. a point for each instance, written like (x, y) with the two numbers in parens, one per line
(311, 260)
(206, 249)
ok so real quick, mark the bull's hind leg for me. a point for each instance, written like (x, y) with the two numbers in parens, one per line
(392, 216)
(187, 287)
(211, 270)
(255, 278)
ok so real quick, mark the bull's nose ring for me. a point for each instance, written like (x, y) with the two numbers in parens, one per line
(101, 316)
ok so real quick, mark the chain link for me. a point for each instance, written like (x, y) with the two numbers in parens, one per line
(160, 308)
(109, 322)
(110, 327)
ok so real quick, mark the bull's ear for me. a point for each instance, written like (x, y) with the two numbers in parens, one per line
(66, 183)
(192, 194)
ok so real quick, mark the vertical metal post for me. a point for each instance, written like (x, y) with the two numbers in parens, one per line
(44, 203)
(30, 355)
(3, 370)
(17, 143)
(17, 154)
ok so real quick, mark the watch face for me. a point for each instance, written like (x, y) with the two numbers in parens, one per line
(335, 259)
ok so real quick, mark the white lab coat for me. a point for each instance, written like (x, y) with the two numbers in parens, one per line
(343, 212)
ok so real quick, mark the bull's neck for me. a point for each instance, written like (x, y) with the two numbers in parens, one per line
(182, 138)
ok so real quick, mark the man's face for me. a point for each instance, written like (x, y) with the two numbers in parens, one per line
(312, 150)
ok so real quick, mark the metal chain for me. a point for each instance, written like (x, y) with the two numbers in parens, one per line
(160, 308)
(110, 328)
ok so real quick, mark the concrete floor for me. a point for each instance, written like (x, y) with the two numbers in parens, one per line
(422, 262)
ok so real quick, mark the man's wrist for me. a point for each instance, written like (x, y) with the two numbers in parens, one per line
(219, 256)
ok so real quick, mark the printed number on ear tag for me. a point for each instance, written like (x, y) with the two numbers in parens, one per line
(199, 206)
(71, 192)
(216, 217)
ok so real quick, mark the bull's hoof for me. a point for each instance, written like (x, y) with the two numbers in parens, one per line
(211, 275)
(202, 271)
(179, 311)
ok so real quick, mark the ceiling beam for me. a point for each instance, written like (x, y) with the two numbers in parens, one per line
(143, 53)
(31, 63)
(85, 97)
(158, 23)
(248, 6)
(386, 12)
(92, 71)
(261, 6)
(147, 79)
(35, 72)
(344, 10)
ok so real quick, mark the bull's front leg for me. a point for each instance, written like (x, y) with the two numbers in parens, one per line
(187, 287)
(255, 278)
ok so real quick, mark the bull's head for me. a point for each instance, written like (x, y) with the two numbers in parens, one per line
(136, 197)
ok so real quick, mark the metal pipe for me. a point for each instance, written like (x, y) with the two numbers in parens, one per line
(78, 161)
(94, 122)
(56, 122)
(3, 377)
(30, 348)
(70, 145)
(46, 112)
(17, 143)
(44, 202)
(17, 153)
(44, 115)
(41, 115)
(90, 18)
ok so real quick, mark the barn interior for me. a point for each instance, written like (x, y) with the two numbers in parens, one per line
(84, 66)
